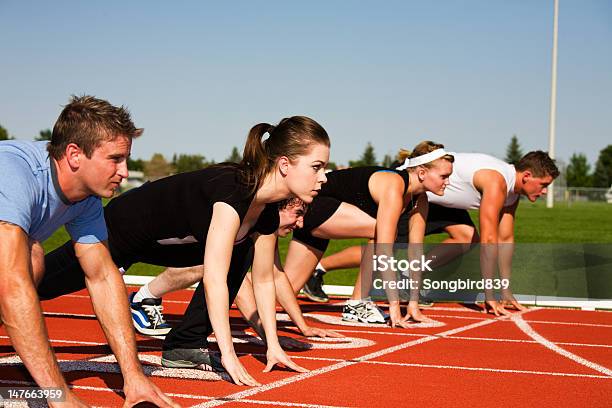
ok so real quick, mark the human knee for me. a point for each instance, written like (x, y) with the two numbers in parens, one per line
(464, 233)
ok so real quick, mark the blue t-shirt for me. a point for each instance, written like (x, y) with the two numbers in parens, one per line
(31, 198)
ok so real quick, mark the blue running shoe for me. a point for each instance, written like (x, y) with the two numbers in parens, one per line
(148, 317)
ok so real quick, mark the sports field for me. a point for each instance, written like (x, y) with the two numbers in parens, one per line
(541, 357)
(565, 223)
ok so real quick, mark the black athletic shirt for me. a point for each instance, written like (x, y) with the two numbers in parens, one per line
(351, 186)
(178, 209)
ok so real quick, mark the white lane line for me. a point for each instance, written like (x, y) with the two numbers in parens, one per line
(287, 404)
(289, 343)
(63, 314)
(384, 306)
(528, 330)
(395, 333)
(453, 367)
(571, 323)
(330, 319)
(490, 318)
(458, 317)
(529, 341)
(108, 364)
(493, 370)
(352, 342)
(83, 343)
(337, 366)
(337, 320)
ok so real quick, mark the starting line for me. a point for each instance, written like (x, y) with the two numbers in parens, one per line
(337, 321)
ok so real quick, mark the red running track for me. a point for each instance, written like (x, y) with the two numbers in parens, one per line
(543, 358)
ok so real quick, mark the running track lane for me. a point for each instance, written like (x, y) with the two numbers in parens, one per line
(403, 375)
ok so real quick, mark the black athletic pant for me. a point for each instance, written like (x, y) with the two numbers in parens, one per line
(438, 218)
(64, 275)
(63, 272)
(195, 326)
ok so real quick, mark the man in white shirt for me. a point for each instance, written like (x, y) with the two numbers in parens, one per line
(493, 187)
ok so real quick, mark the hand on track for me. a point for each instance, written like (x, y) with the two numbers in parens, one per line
(278, 356)
(236, 370)
(510, 301)
(140, 389)
(395, 317)
(496, 308)
(290, 343)
(415, 314)
(317, 332)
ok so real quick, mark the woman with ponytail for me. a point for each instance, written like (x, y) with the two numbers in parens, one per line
(290, 162)
(225, 216)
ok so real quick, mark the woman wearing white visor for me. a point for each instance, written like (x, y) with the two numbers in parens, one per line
(366, 202)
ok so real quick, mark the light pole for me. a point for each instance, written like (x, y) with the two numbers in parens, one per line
(550, 196)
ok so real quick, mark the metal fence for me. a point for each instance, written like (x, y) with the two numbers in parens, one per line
(582, 194)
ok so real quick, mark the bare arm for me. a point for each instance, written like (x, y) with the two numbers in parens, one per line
(387, 190)
(20, 310)
(219, 245)
(492, 186)
(416, 237)
(286, 297)
(110, 303)
(506, 240)
(506, 252)
(245, 301)
(263, 286)
(506, 224)
(265, 297)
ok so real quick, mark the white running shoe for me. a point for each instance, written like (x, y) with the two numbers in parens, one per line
(365, 311)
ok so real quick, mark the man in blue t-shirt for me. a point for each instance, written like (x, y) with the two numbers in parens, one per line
(47, 185)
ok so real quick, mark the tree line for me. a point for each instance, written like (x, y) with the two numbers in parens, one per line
(577, 173)
(42, 135)
(158, 167)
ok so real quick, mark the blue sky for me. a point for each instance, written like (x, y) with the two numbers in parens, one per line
(198, 75)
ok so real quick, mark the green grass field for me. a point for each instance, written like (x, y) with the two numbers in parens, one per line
(575, 223)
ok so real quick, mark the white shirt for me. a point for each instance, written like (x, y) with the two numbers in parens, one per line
(461, 193)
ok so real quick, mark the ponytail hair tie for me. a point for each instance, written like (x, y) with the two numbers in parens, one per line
(270, 130)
